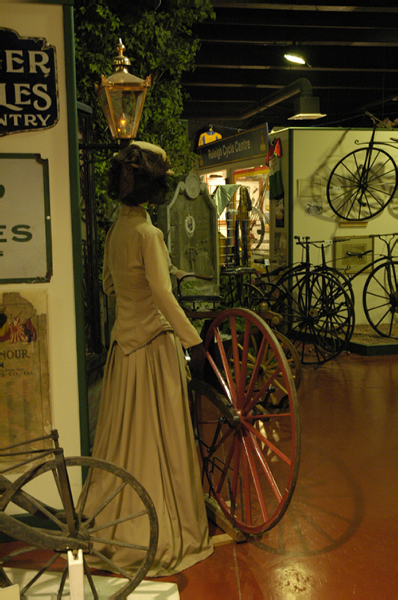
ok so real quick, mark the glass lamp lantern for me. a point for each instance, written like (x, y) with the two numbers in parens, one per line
(122, 97)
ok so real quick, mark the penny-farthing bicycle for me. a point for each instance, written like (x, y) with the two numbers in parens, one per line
(364, 182)
(245, 416)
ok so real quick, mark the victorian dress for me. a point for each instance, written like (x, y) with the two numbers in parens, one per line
(144, 422)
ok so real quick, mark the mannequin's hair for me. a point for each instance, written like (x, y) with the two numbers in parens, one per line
(137, 175)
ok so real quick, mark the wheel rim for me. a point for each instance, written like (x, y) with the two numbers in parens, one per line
(356, 193)
(292, 357)
(251, 459)
(380, 299)
(94, 540)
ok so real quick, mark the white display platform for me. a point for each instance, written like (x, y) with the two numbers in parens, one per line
(45, 588)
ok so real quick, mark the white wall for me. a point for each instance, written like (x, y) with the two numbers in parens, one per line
(314, 153)
(46, 20)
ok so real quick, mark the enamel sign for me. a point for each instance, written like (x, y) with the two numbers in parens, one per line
(28, 84)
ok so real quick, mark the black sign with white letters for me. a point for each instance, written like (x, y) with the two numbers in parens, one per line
(28, 84)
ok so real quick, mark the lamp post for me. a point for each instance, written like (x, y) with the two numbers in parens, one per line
(122, 97)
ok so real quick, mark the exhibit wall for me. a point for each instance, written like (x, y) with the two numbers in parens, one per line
(41, 327)
(308, 159)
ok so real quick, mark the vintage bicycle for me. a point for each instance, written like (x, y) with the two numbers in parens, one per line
(65, 525)
(364, 182)
(380, 291)
(317, 310)
(245, 414)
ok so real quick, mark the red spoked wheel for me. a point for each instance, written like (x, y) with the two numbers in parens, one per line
(246, 421)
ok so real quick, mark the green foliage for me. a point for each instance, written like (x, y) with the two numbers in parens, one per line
(160, 43)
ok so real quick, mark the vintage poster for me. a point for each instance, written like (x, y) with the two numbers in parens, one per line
(24, 374)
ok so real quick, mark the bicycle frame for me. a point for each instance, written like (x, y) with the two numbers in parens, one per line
(383, 257)
(60, 475)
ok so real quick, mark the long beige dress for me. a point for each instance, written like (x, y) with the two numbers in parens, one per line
(144, 423)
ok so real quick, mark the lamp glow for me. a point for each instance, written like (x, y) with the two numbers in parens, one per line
(295, 58)
(122, 98)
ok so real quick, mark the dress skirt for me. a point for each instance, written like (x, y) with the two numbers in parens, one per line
(144, 426)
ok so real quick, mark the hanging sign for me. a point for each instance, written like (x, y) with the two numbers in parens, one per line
(28, 83)
(252, 143)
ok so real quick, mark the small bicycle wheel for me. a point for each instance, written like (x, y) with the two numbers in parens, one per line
(362, 184)
(269, 362)
(50, 529)
(249, 434)
(380, 299)
(318, 315)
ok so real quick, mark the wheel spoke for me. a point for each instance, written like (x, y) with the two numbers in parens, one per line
(48, 564)
(105, 503)
(267, 442)
(229, 377)
(90, 579)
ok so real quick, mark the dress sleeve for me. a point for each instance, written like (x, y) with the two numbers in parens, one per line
(107, 281)
(155, 257)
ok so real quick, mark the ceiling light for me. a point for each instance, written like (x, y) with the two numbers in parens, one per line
(295, 58)
(306, 107)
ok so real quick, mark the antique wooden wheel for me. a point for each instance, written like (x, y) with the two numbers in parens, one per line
(50, 527)
(246, 421)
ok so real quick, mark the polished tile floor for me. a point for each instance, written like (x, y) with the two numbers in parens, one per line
(339, 537)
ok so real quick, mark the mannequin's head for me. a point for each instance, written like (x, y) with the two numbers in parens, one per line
(138, 174)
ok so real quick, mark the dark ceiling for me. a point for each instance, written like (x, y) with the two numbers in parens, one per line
(351, 50)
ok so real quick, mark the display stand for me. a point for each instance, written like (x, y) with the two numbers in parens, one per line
(76, 575)
(46, 587)
(216, 515)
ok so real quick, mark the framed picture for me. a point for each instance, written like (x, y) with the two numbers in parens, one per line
(352, 254)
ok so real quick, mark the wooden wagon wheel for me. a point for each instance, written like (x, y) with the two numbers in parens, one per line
(247, 422)
(49, 529)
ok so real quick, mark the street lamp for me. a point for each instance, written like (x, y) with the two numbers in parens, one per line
(122, 97)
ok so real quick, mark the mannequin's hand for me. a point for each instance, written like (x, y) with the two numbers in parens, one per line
(198, 359)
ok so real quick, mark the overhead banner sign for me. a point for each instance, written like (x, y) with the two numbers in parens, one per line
(248, 144)
(28, 84)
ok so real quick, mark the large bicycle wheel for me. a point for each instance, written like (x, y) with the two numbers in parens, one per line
(247, 425)
(51, 530)
(318, 315)
(258, 222)
(362, 184)
(380, 299)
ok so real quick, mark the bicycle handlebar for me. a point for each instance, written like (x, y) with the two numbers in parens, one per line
(204, 277)
(358, 254)
(302, 241)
